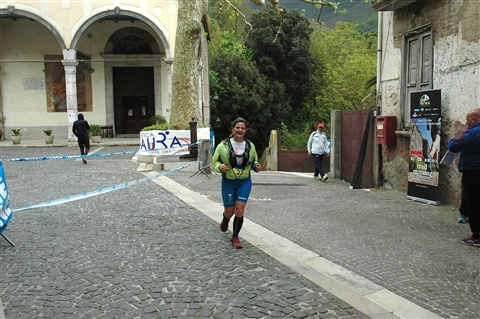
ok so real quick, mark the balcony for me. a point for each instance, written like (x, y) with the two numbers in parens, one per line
(390, 5)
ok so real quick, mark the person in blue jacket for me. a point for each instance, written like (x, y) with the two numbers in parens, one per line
(468, 144)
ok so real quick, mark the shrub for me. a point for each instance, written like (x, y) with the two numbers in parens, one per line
(95, 130)
(156, 127)
(158, 119)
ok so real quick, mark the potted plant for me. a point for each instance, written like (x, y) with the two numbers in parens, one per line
(48, 136)
(16, 136)
(96, 132)
(3, 119)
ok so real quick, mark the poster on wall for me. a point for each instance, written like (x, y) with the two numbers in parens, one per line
(423, 170)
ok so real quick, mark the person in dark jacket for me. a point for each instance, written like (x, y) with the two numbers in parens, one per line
(80, 130)
(469, 146)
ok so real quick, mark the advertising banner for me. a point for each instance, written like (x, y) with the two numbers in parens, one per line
(423, 172)
(174, 142)
(6, 212)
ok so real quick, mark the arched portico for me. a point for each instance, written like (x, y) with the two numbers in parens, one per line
(77, 74)
(156, 60)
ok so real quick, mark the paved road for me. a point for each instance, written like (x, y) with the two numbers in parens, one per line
(412, 249)
(137, 252)
(141, 252)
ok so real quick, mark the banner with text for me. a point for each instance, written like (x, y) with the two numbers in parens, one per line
(6, 213)
(174, 142)
(423, 172)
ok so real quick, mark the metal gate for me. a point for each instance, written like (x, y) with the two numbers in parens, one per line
(353, 125)
(298, 160)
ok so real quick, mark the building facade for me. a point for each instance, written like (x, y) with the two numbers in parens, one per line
(426, 45)
(110, 60)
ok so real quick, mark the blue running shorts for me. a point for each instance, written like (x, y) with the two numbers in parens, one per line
(235, 190)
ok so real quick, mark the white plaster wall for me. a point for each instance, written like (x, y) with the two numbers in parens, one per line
(390, 68)
(390, 97)
(22, 50)
(391, 56)
(456, 72)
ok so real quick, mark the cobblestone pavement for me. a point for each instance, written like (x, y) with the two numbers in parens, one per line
(140, 252)
(412, 249)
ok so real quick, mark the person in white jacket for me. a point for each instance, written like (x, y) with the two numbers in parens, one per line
(317, 146)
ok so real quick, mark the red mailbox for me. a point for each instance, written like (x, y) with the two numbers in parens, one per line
(386, 126)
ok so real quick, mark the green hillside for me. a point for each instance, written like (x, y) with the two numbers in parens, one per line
(358, 12)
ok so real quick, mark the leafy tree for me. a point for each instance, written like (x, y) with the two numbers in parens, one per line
(345, 65)
(284, 57)
(239, 90)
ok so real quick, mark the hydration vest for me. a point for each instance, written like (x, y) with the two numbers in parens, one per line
(232, 157)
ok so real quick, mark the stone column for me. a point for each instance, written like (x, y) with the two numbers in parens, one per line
(169, 63)
(70, 64)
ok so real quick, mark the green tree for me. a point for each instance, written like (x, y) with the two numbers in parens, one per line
(239, 90)
(284, 57)
(345, 63)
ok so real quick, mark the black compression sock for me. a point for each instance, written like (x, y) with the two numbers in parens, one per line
(237, 225)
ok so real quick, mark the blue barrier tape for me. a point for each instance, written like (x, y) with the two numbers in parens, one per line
(99, 191)
(50, 158)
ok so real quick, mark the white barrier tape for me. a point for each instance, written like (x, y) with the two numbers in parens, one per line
(99, 191)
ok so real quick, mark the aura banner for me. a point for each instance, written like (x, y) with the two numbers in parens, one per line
(174, 142)
(423, 171)
(6, 212)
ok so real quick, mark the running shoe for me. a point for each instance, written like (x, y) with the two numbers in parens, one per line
(324, 178)
(316, 178)
(223, 225)
(472, 241)
(84, 160)
(462, 219)
(236, 243)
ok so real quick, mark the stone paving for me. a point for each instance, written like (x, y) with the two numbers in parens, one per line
(139, 252)
(412, 249)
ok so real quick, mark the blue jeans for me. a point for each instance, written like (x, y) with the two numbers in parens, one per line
(317, 158)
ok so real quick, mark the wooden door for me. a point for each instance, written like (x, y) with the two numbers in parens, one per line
(135, 113)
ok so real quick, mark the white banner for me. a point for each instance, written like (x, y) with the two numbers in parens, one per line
(174, 142)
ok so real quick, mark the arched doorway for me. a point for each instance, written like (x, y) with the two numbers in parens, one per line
(133, 64)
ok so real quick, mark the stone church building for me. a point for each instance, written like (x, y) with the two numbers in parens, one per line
(110, 60)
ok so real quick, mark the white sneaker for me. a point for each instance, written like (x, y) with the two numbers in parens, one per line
(324, 178)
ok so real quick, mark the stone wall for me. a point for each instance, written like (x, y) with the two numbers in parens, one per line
(456, 67)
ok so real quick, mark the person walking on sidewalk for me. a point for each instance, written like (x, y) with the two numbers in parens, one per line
(318, 146)
(80, 130)
(468, 144)
(234, 157)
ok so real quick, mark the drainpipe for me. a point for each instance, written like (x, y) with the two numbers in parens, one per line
(377, 149)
